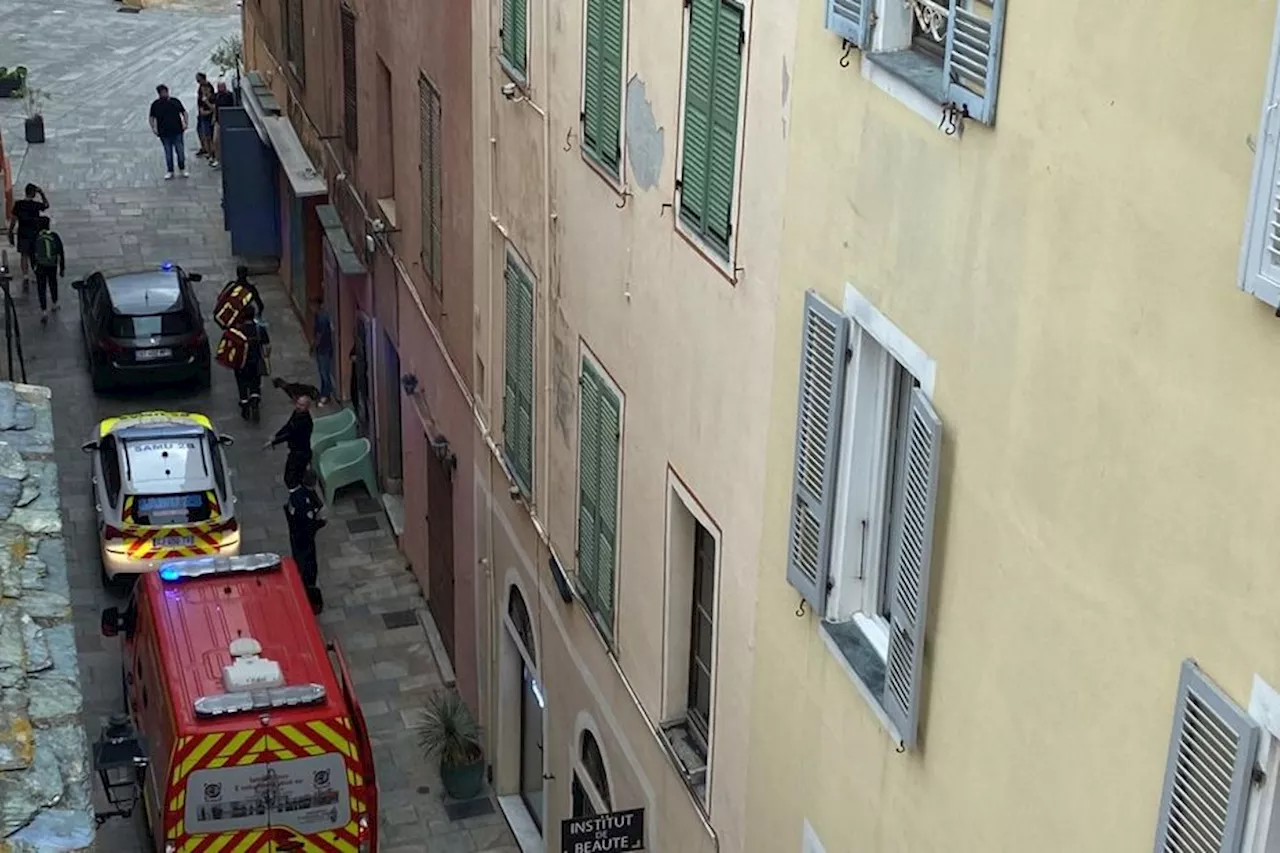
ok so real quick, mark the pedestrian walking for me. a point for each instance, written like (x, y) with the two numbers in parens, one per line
(302, 514)
(24, 224)
(322, 348)
(221, 100)
(257, 349)
(204, 114)
(296, 434)
(235, 294)
(50, 261)
(169, 122)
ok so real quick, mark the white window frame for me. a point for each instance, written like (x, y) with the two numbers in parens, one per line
(726, 265)
(809, 841)
(1262, 829)
(859, 562)
(587, 725)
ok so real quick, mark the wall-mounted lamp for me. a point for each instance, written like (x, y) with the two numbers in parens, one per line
(449, 459)
(409, 383)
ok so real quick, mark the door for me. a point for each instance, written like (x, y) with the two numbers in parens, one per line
(531, 745)
(440, 548)
(360, 373)
(389, 416)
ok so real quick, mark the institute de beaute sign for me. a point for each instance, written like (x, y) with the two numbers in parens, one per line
(603, 833)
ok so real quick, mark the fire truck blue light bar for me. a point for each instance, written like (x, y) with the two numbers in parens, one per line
(186, 568)
(259, 700)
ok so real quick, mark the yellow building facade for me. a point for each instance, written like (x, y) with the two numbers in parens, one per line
(1017, 573)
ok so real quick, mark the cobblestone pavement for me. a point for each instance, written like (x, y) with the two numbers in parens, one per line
(103, 172)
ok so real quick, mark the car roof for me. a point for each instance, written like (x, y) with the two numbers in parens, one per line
(197, 619)
(140, 293)
(159, 419)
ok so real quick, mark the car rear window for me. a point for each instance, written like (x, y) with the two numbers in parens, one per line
(188, 508)
(150, 325)
(308, 795)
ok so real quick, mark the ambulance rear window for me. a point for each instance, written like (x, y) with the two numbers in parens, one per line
(307, 795)
(189, 508)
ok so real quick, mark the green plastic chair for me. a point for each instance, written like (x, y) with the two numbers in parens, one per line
(346, 463)
(328, 430)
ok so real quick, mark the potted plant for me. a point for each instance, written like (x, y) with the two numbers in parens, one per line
(12, 81)
(449, 732)
(35, 99)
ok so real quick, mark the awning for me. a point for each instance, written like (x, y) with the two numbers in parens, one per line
(304, 178)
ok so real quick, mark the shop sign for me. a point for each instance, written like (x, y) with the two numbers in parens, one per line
(603, 833)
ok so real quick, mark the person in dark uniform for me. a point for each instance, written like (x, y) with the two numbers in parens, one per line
(296, 434)
(249, 377)
(242, 280)
(302, 514)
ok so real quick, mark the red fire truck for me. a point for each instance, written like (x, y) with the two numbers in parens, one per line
(254, 739)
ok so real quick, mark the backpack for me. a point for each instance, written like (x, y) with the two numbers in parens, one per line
(46, 249)
(231, 304)
(233, 349)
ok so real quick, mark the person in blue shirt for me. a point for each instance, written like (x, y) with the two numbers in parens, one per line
(322, 348)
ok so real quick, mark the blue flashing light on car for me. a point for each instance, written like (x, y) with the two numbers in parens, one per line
(167, 266)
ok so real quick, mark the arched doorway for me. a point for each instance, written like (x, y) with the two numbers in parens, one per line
(531, 707)
(590, 792)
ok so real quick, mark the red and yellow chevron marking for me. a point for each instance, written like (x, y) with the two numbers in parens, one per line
(141, 540)
(261, 745)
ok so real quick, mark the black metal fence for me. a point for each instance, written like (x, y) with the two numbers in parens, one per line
(12, 333)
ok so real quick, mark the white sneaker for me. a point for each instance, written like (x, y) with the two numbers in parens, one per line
(168, 176)
(184, 174)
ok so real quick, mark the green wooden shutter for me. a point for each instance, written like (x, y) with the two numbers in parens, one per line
(602, 82)
(713, 80)
(607, 504)
(517, 405)
(591, 61)
(515, 36)
(588, 482)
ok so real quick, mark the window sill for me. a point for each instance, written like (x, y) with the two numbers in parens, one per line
(860, 659)
(721, 263)
(612, 177)
(520, 78)
(918, 71)
(689, 758)
(387, 207)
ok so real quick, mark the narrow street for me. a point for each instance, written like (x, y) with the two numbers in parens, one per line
(103, 172)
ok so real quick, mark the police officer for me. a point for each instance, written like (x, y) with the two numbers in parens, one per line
(249, 374)
(302, 514)
(296, 434)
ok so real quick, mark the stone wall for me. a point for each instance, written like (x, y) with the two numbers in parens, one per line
(44, 755)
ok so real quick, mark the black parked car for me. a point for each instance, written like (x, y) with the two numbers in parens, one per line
(143, 327)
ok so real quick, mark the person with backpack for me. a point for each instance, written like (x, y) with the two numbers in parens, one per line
(235, 295)
(245, 348)
(50, 260)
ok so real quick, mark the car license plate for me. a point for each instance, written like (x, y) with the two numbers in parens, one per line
(175, 541)
(153, 354)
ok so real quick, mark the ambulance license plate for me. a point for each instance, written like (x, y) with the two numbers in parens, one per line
(175, 541)
(154, 354)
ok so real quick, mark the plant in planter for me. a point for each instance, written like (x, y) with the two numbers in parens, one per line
(12, 81)
(450, 732)
(35, 99)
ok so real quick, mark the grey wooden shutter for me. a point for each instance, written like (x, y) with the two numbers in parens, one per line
(910, 559)
(823, 358)
(971, 57)
(350, 97)
(1210, 771)
(851, 20)
(1260, 255)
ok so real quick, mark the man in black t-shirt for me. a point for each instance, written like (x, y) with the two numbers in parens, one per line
(221, 98)
(169, 122)
(24, 223)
